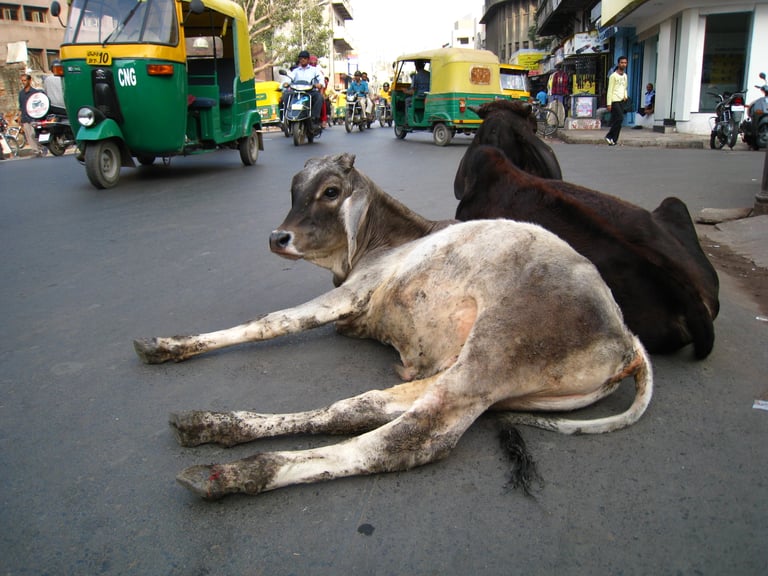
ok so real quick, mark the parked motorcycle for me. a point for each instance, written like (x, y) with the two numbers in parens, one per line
(754, 128)
(384, 112)
(728, 115)
(298, 114)
(356, 113)
(55, 132)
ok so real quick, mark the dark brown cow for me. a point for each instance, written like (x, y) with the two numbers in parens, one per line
(652, 261)
(511, 127)
(485, 315)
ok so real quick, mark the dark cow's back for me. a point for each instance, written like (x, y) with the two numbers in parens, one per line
(653, 263)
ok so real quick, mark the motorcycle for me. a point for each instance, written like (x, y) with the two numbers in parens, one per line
(384, 112)
(754, 128)
(55, 133)
(52, 127)
(298, 114)
(728, 115)
(356, 115)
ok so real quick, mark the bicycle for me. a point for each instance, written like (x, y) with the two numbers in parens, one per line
(546, 120)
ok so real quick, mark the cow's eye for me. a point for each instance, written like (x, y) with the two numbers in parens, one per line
(331, 193)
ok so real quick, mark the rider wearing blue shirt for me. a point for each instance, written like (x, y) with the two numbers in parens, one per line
(359, 87)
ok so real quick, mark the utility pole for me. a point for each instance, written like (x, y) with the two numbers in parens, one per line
(761, 198)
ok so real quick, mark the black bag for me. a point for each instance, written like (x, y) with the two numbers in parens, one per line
(627, 106)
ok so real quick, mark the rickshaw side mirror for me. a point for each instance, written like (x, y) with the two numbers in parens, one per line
(55, 9)
(196, 6)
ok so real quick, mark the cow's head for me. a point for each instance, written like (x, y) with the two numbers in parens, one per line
(329, 203)
(511, 127)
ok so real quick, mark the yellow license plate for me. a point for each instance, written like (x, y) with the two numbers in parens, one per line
(98, 58)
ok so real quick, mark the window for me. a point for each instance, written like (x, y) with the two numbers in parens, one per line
(725, 49)
(34, 14)
(9, 12)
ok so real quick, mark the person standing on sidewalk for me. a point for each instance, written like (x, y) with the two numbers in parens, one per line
(25, 119)
(616, 98)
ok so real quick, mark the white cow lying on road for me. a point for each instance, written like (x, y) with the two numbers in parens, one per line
(485, 315)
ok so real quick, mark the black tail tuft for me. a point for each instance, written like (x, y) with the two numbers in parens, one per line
(523, 472)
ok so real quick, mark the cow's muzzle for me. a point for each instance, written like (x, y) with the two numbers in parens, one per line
(281, 243)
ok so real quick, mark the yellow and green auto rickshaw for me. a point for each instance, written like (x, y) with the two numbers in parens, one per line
(458, 80)
(268, 94)
(157, 78)
(515, 82)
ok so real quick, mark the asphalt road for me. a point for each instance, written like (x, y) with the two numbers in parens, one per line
(89, 463)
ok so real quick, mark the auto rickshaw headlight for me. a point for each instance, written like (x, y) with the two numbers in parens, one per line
(87, 116)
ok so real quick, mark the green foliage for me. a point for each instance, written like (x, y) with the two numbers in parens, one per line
(285, 27)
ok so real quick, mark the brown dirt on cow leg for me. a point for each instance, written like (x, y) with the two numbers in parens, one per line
(197, 427)
(150, 352)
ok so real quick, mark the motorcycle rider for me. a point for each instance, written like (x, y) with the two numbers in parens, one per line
(305, 72)
(384, 92)
(359, 87)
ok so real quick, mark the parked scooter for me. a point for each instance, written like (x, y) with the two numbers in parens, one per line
(728, 115)
(356, 113)
(754, 128)
(298, 114)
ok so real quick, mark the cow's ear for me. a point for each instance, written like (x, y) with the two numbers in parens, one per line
(354, 211)
(346, 161)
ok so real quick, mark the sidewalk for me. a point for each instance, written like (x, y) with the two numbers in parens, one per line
(746, 236)
(644, 137)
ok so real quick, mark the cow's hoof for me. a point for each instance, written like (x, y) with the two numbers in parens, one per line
(204, 480)
(150, 351)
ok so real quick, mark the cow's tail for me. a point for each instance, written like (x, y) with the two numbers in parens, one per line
(639, 368)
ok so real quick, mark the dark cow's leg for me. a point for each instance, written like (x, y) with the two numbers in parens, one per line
(425, 433)
(350, 416)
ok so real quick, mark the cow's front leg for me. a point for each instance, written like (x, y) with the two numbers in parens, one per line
(349, 416)
(335, 305)
(421, 435)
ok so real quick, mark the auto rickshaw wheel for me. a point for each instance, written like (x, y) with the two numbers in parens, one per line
(441, 134)
(249, 148)
(400, 132)
(102, 163)
(146, 160)
(298, 133)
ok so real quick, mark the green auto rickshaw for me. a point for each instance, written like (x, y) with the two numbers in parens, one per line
(157, 78)
(458, 80)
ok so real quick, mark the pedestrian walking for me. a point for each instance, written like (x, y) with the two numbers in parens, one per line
(25, 119)
(617, 99)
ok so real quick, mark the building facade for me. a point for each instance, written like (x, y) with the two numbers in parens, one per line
(690, 50)
(29, 42)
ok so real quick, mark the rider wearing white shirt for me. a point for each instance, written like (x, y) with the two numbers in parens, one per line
(304, 72)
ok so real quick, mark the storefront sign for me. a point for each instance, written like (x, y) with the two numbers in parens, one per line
(583, 43)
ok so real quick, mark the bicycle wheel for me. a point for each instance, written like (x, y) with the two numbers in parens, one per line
(13, 144)
(546, 122)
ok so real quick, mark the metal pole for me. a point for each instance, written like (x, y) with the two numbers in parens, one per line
(761, 198)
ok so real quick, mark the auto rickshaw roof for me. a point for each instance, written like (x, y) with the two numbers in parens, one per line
(225, 7)
(242, 44)
(451, 55)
